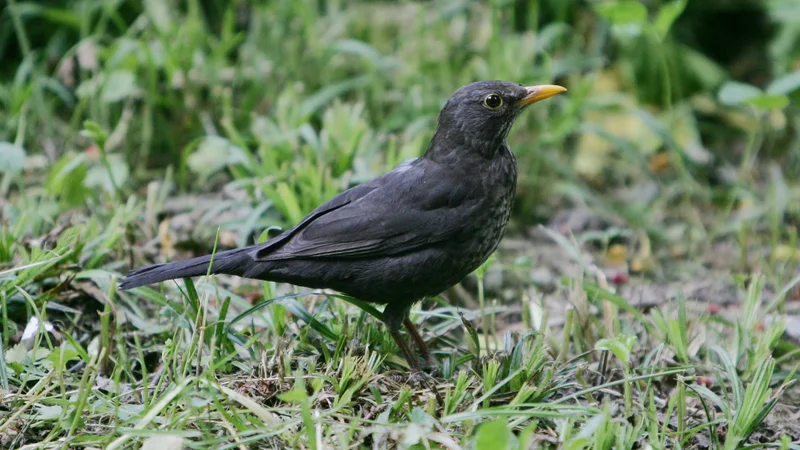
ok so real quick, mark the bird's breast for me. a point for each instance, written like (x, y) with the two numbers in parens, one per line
(499, 185)
(500, 190)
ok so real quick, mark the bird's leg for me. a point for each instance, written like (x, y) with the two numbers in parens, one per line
(412, 361)
(423, 348)
(407, 354)
(394, 315)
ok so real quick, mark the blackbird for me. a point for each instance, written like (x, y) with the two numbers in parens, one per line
(407, 234)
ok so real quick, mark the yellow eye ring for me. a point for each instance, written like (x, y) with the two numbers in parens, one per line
(493, 101)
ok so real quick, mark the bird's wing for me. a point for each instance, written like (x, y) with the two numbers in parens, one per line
(414, 205)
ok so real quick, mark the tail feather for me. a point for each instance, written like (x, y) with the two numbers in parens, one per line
(232, 262)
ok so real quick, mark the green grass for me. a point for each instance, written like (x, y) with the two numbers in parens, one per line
(133, 133)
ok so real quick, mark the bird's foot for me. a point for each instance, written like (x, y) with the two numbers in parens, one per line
(422, 379)
(419, 379)
(431, 368)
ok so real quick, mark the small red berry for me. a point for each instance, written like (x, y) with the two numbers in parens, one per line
(705, 381)
(620, 278)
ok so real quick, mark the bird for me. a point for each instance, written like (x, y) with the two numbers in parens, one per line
(408, 234)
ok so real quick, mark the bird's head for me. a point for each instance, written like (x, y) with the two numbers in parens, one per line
(483, 112)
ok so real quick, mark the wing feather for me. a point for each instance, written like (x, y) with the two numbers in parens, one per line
(415, 205)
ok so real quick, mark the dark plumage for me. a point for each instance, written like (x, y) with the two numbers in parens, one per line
(410, 233)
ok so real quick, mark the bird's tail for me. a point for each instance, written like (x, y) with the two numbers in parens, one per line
(232, 262)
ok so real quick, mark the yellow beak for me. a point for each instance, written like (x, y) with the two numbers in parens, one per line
(539, 93)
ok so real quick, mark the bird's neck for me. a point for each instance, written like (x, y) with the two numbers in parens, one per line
(451, 146)
(491, 165)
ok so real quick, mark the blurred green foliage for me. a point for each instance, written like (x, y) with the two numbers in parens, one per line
(295, 101)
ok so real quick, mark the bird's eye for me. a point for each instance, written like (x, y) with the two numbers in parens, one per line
(493, 101)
